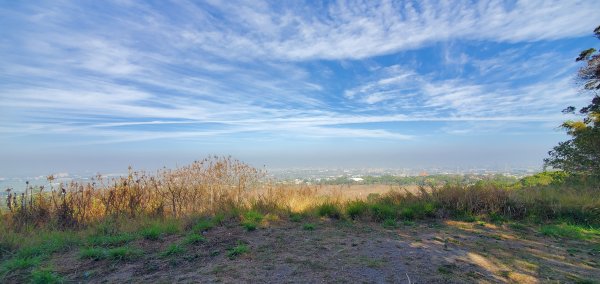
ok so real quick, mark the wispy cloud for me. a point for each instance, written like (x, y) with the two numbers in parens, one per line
(132, 71)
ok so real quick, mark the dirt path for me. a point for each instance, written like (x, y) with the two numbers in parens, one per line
(342, 251)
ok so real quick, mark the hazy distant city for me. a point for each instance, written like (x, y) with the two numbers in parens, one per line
(291, 175)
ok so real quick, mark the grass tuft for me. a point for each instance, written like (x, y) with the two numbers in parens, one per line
(193, 239)
(569, 231)
(238, 250)
(123, 253)
(173, 249)
(329, 209)
(45, 276)
(251, 219)
(19, 263)
(111, 240)
(308, 227)
(295, 217)
(93, 253)
(382, 211)
(157, 230)
(390, 223)
(356, 209)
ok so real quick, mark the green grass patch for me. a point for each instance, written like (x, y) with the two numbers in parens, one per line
(238, 250)
(496, 218)
(123, 253)
(48, 243)
(329, 209)
(595, 249)
(45, 276)
(17, 263)
(157, 230)
(93, 253)
(308, 227)
(173, 249)
(519, 227)
(251, 219)
(372, 262)
(249, 226)
(203, 225)
(569, 231)
(447, 269)
(464, 217)
(382, 211)
(356, 209)
(296, 217)
(193, 239)
(390, 223)
(417, 210)
(111, 240)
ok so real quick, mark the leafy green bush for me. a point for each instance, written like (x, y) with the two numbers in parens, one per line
(382, 211)
(329, 209)
(356, 209)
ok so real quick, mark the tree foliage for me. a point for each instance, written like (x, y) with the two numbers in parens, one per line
(581, 154)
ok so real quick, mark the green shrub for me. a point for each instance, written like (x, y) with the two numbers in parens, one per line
(407, 213)
(382, 211)
(356, 209)
(330, 210)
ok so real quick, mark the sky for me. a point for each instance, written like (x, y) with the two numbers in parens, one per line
(95, 86)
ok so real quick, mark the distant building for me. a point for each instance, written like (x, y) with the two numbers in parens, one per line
(357, 179)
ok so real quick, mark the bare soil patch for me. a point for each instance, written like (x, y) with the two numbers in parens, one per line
(356, 252)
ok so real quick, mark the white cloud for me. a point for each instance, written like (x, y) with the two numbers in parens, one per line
(241, 67)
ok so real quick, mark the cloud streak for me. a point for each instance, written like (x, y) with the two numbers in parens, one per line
(185, 70)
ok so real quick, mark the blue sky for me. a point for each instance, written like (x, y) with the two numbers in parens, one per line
(99, 85)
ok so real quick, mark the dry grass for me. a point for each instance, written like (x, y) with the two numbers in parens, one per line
(223, 184)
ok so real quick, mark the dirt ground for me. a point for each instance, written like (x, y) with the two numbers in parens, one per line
(354, 252)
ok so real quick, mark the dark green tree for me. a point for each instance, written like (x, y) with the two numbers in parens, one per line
(581, 154)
